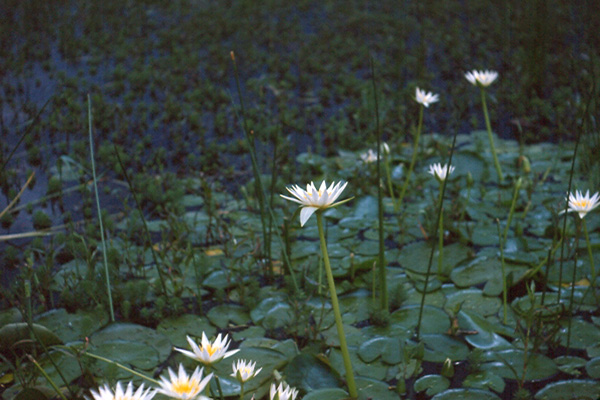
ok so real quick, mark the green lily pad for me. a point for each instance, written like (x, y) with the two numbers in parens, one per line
(473, 300)
(439, 347)
(178, 328)
(223, 314)
(272, 313)
(375, 370)
(355, 306)
(570, 390)
(434, 320)
(71, 327)
(593, 368)
(583, 334)
(369, 388)
(10, 316)
(431, 384)
(505, 362)
(63, 365)
(385, 347)
(465, 394)
(309, 373)
(570, 364)
(485, 380)
(16, 336)
(486, 337)
(327, 394)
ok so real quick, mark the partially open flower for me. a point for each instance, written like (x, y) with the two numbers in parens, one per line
(369, 157)
(440, 172)
(312, 199)
(184, 387)
(244, 371)
(425, 98)
(104, 393)
(279, 393)
(208, 353)
(583, 204)
(483, 78)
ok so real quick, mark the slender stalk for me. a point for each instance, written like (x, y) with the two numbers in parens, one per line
(384, 305)
(439, 214)
(336, 311)
(413, 159)
(489, 131)
(512, 208)
(504, 283)
(441, 237)
(146, 230)
(110, 302)
(116, 364)
(589, 249)
(388, 176)
(50, 381)
(258, 186)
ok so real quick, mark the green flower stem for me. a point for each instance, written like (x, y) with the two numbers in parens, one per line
(441, 237)
(241, 390)
(504, 285)
(414, 158)
(110, 302)
(85, 353)
(336, 310)
(590, 255)
(50, 381)
(489, 131)
(388, 176)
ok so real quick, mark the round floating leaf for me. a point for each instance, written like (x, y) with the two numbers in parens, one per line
(486, 337)
(431, 384)
(272, 313)
(128, 353)
(440, 347)
(126, 332)
(485, 380)
(223, 314)
(355, 306)
(434, 320)
(473, 300)
(386, 347)
(574, 389)
(178, 328)
(369, 389)
(35, 393)
(10, 316)
(506, 361)
(593, 368)
(327, 394)
(570, 364)
(71, 327)
(17, 336)
(309, 373)
(583, 334)
(62, 365)
(465, 394)
(374, 370)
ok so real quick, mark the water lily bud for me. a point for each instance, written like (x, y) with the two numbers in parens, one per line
(385, 149)
(525, 164)
(448, 368)
(401, 386)
(470, 180)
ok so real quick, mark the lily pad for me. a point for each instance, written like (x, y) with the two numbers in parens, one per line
(570, 364)
(485, 380)
(465, 394)
(374, 389)
(473, 300)
(583, 334)
(309, 373)
(439, 347)
(593, 368)
(431, 384)
(507, 362)
(223, 314)
(327, 394)
(70, 327)
(485, 336)
(570, 390)
(272, 313)
(434, 320)
(385, 347)
(178, 328)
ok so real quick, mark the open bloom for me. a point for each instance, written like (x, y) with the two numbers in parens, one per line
(279, 393)
(583, 204)
(208, 353)
(440, 172)
(104, 393)
(425, 98)
(312, 199)
(184, 387)
(369, 157)
(483, 78)
(244, 371)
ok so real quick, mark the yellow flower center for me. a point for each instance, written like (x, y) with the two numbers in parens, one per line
(581, 203)
(210, 349)
(185, 386)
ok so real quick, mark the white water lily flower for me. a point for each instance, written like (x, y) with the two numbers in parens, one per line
(104, 393)
(369, 157)
(312, 199)
(208, 353)
(583, 204)
(184, 387)
(425, 98)
(279, 393)
(483, 78)
(440, 172)
(244, 371)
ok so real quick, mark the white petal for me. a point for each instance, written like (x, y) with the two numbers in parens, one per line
(305, 214)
